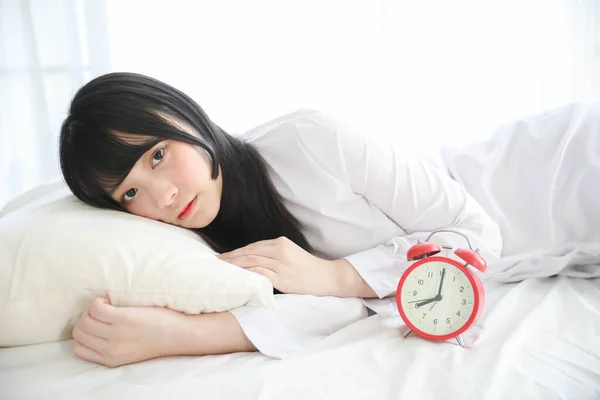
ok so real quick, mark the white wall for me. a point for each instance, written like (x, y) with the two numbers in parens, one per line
(424, 73)
(428, 71)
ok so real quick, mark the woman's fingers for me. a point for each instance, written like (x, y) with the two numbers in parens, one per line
(262, 251)
(86, 353)
(103, 311)
(264, 266)
(253, 261)
(267, 273)
(91, 333)
(93, 326)
(263, 247)
(89, 340)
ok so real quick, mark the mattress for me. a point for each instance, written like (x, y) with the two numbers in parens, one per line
(536, 339)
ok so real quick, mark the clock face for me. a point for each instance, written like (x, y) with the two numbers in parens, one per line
(433, 314)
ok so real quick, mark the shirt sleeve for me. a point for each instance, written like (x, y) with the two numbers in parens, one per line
(296, 321)
(412, 192)
(418, 196)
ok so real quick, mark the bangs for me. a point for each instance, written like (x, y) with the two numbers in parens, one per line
(100, 160)
(107, 159)
(116, 118)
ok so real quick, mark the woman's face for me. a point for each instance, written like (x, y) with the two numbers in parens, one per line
(172, 183)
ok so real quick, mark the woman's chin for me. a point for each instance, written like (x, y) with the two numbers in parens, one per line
(202, 220)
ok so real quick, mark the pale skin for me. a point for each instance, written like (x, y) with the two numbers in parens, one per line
(160, 186)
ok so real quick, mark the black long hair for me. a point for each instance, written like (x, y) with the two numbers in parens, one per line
(94, 160)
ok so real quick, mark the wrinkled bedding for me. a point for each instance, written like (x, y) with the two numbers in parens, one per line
(538, 336)
(537, 339)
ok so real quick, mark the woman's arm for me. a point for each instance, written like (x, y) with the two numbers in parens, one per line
(418, 196)
(349, 283)
(214, 333)
(115, 336)
(411, 191)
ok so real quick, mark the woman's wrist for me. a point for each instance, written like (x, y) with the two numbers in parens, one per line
(210, 333)
(348, 282)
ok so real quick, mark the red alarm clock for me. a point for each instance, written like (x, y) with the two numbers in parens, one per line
(439, 297)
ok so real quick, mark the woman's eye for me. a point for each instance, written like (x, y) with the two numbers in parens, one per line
(128, 196)
(157, 156)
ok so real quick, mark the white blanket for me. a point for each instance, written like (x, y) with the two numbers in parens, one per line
(578, 260)
(537, 339)
(539, 178)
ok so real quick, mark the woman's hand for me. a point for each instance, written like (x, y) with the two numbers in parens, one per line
(115, 336)
(290, 268)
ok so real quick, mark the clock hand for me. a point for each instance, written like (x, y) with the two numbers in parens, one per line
(437, 297)
(431, 308)
(418, 301)
(439, 293)
(426, 302)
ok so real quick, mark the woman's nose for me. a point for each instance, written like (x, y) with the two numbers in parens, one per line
(164, 193)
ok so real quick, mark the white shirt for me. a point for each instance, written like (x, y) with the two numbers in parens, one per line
(360, 198)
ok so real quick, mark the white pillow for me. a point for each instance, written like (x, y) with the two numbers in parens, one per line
(538, 178)
(57, 254)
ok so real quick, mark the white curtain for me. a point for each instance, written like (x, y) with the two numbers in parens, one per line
(48, 48)
(424, 73)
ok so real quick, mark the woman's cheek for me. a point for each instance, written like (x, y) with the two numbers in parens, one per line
(144, 212)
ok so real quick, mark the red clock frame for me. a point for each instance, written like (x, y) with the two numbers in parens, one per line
(478, 301)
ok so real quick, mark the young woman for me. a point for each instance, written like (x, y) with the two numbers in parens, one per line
(324, 211)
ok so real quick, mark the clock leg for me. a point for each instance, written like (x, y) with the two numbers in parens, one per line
(459, 340)
(407, 333)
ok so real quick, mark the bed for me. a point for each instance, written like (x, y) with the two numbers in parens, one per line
(537, 339)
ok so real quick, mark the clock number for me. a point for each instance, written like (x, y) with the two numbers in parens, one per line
(462, 289)
(435, 321)
(424, 314)
(414, 292)
(447, 320)
(420, 281)
(454, 279)
(430, 274)
(458, 313)
(464, 302)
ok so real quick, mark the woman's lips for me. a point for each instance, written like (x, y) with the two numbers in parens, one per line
(189, 209)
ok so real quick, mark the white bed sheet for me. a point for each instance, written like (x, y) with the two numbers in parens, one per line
(537, 339)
